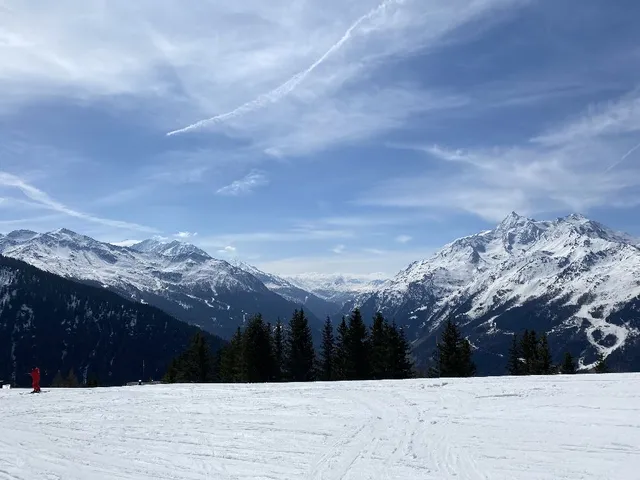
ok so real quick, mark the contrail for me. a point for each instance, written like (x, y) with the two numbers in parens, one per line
(624, 157)
(287, 87)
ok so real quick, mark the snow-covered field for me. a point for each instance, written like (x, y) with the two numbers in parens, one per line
(562, 427)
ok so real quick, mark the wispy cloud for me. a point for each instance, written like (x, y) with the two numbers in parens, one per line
(185, 235)
(560, 170)
(228, 250)
(45, 201)
(287, 235)
(403, 238)
(338, 249)
(386, 262)
(287, 87)
(245, 185)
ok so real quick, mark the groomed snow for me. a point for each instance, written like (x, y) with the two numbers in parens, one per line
(563, 427)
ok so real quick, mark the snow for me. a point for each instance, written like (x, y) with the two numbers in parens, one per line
(523, 260)
(338, 288)
(526, 428)
(149, 266)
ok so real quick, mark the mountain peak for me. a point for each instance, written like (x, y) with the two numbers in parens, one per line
(513, 220)
(169, 249)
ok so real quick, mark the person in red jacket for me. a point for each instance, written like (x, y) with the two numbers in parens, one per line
(35, 377)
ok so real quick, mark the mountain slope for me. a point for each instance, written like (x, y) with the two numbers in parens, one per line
(59, 324)
(176, 277)
(572, 278)
(286, 289)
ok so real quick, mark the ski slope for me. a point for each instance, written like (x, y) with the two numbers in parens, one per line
(563, 427)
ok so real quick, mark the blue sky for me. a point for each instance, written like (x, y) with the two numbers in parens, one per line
(326, 136)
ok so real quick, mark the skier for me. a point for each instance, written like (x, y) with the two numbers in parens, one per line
(35, 377)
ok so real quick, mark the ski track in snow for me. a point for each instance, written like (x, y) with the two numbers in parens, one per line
(530, 428)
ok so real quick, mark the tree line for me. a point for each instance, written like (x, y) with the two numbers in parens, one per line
(530, 355)
(262, 352)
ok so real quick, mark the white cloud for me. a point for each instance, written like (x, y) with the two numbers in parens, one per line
(185, 235)
(338, 249)
(228, 250)
(404, 238)
(125, 243)
(245, 185)
(290, 235)
(199, 62)
(387, 262)
(571, 169)
(45, 201)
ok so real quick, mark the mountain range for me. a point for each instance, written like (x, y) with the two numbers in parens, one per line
(572, 278)
(177, 277)
(62, 325)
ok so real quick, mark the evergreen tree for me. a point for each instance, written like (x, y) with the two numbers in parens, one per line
(529, 347)
(257, 359)
(328, 353)
(380, 348)
(195, 364)
(453, 354)
(72, 380)
(514, 366)
(92, 381)
(357, 348)
(399, 365)
(544, 359)
(568, 365)
(601, 366)
(231, 359)
(467, 367)
(340, 355)
(300, 356)
(58, 381)
(278, 352)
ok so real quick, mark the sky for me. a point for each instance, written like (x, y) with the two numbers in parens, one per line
(317, 135)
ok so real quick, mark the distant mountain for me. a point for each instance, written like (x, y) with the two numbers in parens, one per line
(337, 288)
(572, 278)
(59, 324)
(179, 278)
(285, 288)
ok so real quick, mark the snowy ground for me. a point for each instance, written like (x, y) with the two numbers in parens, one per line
(567, 427)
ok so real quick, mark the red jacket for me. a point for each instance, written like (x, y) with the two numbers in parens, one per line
(35, 375)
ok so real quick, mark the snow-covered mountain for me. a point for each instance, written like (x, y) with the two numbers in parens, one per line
(176, 277)
(572, 277)
(64, 325)
(337, 288)
(321, 307)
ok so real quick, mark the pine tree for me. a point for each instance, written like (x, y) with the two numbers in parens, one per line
(92, 381)
(380, 348)
(514, 366)
(467, 367)
(544, 359)
(72, 380)
(568, 365)
(231, 359)
(453, 354)
(257, 359)
(340, 355)
(399, 365)
(601, 366)
(278, 352)
(328, 351)
(195, 364)
(357, 348)
(300, 352)
(58, 381)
